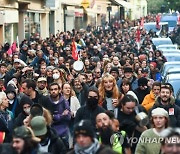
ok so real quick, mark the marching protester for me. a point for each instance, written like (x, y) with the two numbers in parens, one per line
(116, 73)
(150, 140)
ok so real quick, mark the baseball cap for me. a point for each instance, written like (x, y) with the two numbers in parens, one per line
(42, 79)
(38, 125)
(25, 132)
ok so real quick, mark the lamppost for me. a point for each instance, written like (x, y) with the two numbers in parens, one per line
(109, 9)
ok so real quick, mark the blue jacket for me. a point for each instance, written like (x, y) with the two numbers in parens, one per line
(35, 62)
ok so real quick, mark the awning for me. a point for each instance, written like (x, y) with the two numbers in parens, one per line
(125, 4)
(70, 3)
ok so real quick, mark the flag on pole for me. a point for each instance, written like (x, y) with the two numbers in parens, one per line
(138, 35)
(74, 50)
(142, 22)
(157, 21)
(12, 49)
(179, 19)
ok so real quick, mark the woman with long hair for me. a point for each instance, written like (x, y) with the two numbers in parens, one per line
(125, 86)
(109, 93)
(74, 103)
(70, 96)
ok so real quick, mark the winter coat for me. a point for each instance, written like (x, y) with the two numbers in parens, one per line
(148, 101)
(61, 122)
(141, 94)
(172, 109)
(74, 104)
(15, 106)
(56, 145)
(85, 113)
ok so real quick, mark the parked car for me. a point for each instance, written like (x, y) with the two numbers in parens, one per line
(174, 80)
(161, 41)
(164, 51)
(172, 71)
(167, 46)
(167, 65)
(171, 19)
(172, 56)
(162, 32)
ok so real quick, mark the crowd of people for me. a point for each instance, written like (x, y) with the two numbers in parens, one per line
(48, 105)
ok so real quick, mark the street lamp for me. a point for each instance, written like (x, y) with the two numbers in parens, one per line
(109, 9)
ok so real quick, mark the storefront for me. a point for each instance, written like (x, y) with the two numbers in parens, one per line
(8, 25)
(31, 24)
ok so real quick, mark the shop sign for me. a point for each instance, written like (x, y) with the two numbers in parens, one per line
(85, 4)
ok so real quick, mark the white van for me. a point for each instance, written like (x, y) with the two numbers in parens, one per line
(162, 32)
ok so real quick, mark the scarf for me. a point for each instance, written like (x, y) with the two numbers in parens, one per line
(92, 149)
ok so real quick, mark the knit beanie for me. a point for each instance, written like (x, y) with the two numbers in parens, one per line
(84, 127)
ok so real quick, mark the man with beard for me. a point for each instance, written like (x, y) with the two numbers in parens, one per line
(91, 109)
(29, 88)
(81, 89)
(107, 136)
(41, 86)
(61, 112)
(167, 101)
(90, 81)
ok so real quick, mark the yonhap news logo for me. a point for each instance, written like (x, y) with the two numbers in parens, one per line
(118, 138)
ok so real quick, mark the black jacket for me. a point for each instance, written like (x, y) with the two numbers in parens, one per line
(56, 145)
(141, 94)
(19, 120)
(85, 113)
(172, 109)
(15, 106)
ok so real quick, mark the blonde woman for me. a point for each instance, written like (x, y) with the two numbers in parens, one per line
(107, 68)
(109, 93)
(70, 96)
(74, 104)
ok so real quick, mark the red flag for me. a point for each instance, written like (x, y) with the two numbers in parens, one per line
(74, 51)
(179, 19)
(12, 49)
(9, 52)
(157, 21)
(138, 35)
(142, 22)
(2, 136)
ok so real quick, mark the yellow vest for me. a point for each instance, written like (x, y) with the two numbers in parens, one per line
(116, 144)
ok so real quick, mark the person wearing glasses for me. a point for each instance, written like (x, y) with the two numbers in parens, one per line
(166, 100)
